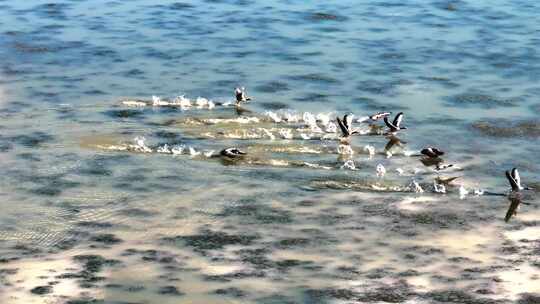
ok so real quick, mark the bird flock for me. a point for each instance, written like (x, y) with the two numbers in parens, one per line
(430, 156)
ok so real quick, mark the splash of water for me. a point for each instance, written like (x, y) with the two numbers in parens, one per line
(381, 170)
(438, 188)
(349, 165)
(164, 149)
(193, 152)
(140, 145)
(286, 133)
(370, 150)
(462, 192)
(345, 150)
(415, 187)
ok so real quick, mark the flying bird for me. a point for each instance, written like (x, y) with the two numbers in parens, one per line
(515, 180)
(346, 126)
(232, 153)
(432, 152)
(396, 124)
(241, 95)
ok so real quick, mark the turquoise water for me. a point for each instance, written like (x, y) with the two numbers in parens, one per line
(88, 217)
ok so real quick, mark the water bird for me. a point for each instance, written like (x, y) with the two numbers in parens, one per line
(241, 95)
(379, 115)
(432, 152)
(396, 124)
(232, 152)
(346, 127)
(515, 180)
(392, 141)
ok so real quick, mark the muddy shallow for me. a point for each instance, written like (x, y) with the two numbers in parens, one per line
(111, 202)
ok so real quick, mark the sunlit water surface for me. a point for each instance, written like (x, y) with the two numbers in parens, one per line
(97, 207)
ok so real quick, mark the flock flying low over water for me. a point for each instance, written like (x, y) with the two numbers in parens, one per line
(429, 156)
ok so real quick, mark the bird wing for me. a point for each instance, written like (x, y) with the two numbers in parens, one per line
(398, 119)
(347, 120)
(427, 152)
(388, 124)
(517, 178)
(512, 181)
(342, 126)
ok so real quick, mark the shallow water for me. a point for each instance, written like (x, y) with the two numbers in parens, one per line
(91, 211)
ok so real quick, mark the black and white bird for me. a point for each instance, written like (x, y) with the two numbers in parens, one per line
(515, 180)
(232, 153)
(379, 115)
(432, 152)
(241, 95)
(346, 126)
(396, 124)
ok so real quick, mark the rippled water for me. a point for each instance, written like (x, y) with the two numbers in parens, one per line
(92, 212)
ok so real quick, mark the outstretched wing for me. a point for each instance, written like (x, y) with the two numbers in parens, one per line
(347, 120)
(437, 151)
(238, 92)
(342, 126)
(398, 119)
(428, 152)
(512, 181)
(388, 124)
(517, 178)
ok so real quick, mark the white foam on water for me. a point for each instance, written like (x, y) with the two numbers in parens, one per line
(140, 145)
(278, 162)
(275, 117)
(193, 152)
(324, 118)
(202, 102)
(134, 103)
(164, 149)
(345, 150)
(408, 152)
(370, 150)
(331, 128)
(309, 119)
(291, 117)
(478, 192)
(268, 133)
(400, 171)
(317, 166)
(438, 188)
(178, 149)
(463, 192)
(179, 101)
(286, 133)
(305, 136)
(208, 153)
(415, 187)
(239, 120)
(349, 165)
(381, 170)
